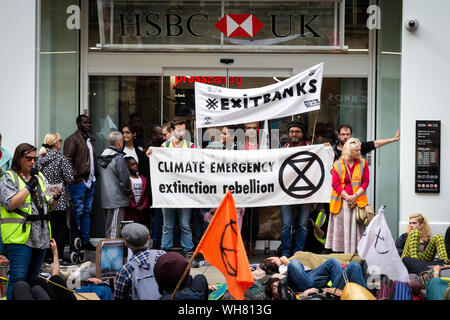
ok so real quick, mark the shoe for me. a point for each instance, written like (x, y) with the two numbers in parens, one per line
(195, 264)
(89, 247)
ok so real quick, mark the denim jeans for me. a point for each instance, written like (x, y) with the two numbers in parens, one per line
(157, 227)
(301, 280)
(184, 216)
(200, 225)
(82, 200)
(297, 216)
(24, 264)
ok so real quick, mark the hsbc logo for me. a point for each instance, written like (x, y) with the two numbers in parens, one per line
(239, 25)
(149, 25)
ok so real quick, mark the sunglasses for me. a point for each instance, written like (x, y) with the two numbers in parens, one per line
(29, 159)
(126, 132)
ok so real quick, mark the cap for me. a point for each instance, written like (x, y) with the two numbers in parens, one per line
(298, 125)
(135, 234)
(169, 269)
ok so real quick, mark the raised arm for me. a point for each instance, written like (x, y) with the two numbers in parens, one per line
(383, 142)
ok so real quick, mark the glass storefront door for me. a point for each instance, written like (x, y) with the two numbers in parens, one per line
(115, 100)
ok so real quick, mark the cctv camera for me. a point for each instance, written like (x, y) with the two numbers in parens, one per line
(411, 24)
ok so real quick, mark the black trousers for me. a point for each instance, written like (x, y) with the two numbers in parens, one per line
(59, 231)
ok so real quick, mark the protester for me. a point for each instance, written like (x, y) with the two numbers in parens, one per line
(137, 122)
(436, 287)
(250, 227)
(169, 214)
(317, 230)
(418, 243)
(57, 170)
(157, 139)
(345, 133)
(132, 150)
(167, 130)
(294, 215)
(21, 196)
(350, 179)
(137, 210)
(79, 149)
(168, 271)
(5, 158)
(115, 184)
(300, 279)
(136, 238)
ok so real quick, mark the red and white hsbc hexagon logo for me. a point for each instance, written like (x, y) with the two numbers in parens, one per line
(239, 25)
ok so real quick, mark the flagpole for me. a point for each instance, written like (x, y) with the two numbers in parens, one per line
(183, 276)
(314, 130)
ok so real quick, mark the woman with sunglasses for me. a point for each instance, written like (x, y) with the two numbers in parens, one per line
(350, 180)
(25, 226)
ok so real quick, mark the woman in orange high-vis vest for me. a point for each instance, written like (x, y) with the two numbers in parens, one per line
(350, 179)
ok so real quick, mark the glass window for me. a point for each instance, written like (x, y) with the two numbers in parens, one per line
(146, 25)
(117, 100)
(58, 70)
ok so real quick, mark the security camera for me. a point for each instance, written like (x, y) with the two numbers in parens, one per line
(411, 24)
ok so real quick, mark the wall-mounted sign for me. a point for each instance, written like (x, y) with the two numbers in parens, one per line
(428, 149)
(218, 24)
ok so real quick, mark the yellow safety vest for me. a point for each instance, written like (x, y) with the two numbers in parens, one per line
(336, 200)
(169, 144)
(14, 227)
(320, 220)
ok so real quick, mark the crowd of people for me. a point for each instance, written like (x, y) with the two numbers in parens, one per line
(39, 191)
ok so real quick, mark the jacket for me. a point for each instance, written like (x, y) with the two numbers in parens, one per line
(131, 212)
(57, 169)
(77, 151)
(5, 160)
(114, 179)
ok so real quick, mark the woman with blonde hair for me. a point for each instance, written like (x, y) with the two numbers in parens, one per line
(419, 243)
(350, 179)
(57, 170)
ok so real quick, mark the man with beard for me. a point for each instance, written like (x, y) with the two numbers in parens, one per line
(294, 215)
(345, 133)
(169, 214)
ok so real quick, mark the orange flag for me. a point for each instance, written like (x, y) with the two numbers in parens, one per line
(222, 246)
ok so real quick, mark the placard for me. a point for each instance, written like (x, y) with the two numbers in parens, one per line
(428, 150)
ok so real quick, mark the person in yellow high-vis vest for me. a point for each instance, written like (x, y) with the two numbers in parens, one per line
(171, 214)
(25, 226)
(350, 179)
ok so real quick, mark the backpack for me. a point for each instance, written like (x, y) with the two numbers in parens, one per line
(144, 286)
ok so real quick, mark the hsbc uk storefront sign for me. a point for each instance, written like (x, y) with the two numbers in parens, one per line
(157, 23)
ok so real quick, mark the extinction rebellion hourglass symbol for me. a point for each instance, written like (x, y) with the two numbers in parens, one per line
(306, 181)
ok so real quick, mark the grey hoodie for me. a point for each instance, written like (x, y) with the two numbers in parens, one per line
(114, 179)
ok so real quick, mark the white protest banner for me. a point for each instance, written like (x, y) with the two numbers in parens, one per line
(199, 178)
(377, 247)
(217, 106)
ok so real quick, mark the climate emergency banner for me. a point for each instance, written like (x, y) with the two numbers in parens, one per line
(200, 178)
(217, 106)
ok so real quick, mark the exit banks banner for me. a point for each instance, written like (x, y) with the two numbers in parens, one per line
(217, 106)
(200, 178)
